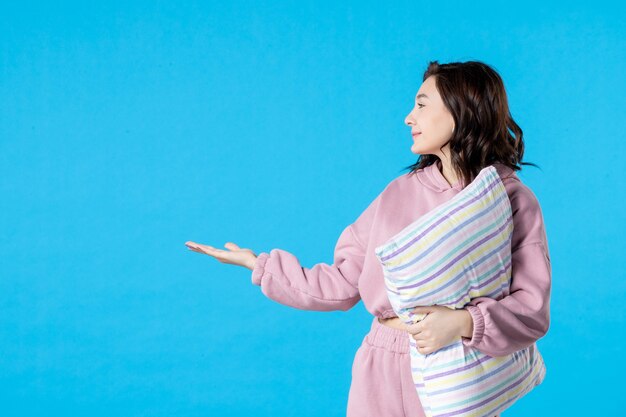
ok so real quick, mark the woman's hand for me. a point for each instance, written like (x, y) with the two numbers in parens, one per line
(234, 255)
(440, 327)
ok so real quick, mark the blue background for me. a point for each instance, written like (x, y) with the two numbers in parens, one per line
(129, 129)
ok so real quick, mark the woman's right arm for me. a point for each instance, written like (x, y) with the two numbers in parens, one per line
(322, 287)
(516, 321)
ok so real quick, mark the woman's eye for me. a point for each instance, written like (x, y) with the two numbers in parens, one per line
(421, 105)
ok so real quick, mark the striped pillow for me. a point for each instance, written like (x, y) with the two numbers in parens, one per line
(458, 251)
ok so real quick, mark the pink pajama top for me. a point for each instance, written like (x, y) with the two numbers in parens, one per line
(501, 327)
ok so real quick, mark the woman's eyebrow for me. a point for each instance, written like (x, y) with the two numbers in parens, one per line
(420, 95)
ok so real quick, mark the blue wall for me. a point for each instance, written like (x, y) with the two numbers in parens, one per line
(127, 130)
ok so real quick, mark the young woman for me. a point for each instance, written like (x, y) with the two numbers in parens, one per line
(460, 124)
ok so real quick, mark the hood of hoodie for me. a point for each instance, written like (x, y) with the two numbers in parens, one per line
(432, 177)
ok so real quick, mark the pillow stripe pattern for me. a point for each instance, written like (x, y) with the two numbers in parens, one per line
(458, 251)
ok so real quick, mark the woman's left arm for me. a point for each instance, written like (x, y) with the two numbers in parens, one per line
(516, 321)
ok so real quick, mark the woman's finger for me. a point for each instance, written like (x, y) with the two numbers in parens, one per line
(206, 249)
(210, 250)
(414, 328)
(191, 245)
(223, 256)
(233, 255)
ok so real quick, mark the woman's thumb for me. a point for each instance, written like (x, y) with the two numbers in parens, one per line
(231, 246)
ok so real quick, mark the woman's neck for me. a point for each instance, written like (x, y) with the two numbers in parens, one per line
(447, 172)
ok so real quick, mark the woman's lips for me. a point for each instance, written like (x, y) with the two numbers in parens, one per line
(416, 134)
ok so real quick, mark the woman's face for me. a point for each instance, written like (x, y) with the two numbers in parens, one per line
(432, 120)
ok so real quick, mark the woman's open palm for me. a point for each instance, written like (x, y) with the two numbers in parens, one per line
(234, 255)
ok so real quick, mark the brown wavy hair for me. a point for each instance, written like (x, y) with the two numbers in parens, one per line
(484, 132)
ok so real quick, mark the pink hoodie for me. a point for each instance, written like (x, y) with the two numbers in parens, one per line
(501, 326)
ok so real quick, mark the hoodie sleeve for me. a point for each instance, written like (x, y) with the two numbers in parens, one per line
(322, 287)
(519, 319)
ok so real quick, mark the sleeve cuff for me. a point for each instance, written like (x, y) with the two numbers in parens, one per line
(259, 268)
(479, 326)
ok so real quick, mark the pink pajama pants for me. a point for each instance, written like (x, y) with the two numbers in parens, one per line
(382, 385)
